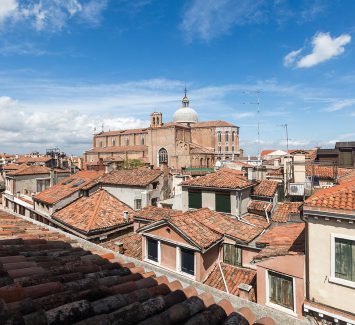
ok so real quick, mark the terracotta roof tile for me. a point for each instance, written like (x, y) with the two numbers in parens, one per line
(234, 276)
(68, 186)
(27, 159)
(152, 213)
(327, 172)
(93, 213)
(347, 178)
(121, 149)
(226, 225)
(275, 172)
(30, 170)
(225, 178)
(207, 124)
(259, 207)
(339, 197)
(266, 188)
(119, 132)
(132, 245)
(59, 281)
(285, 210)
(131, 177)
(266, 152)
(12, 166)
(282, 240)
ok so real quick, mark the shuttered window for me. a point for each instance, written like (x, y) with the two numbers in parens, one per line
(281, 290)
(232, 255)
(187, 261)
(345, 259)
(223, 202)
(195, 200)
(152, 249)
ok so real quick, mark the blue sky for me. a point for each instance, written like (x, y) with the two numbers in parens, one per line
(67, 66)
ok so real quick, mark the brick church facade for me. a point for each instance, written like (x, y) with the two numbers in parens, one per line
(185, 142)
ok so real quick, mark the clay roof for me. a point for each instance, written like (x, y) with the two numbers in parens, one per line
(282, 240)
(121, 149)
(116, 158)
(195, 148)
(141, 177)
(152, 213)
(234, 276)
(30, 170)
(93, 213)
(60, 281)
(266, 188)
(11, 167)
(132, 245)
(226, 225)
(68, 186)
(28, 159)
(266, 152)
(225, 178)
(327, 172)
(119, 132)
(347, 178)
(338, 198)
(275, 172)
(258, 207)
(198, 232)
(285, 210)
(208, 124)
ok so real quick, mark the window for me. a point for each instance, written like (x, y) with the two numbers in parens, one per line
(223, 202)
(195, 200)
(142, 139)
(78, 183)
(345, 259)
(219, 136)
(233, 136)
(227, 136)
(152, 249)
(113, 142)
(138, 204)
(155, 185)
(154, 201)
(187, 261)
(163, 156)
(42, 184)
(100, 144)
(126, 141)
(281, 290)
(233, 149)
(219, 149)
(226, 148)
(232, 255)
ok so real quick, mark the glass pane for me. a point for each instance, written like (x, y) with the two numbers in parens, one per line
(187, 261)
(152, 249)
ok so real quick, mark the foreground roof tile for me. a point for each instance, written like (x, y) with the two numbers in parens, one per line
(78, 286)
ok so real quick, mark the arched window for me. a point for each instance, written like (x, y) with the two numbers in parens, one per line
(233, 136)
(163, 156)
(227, 136)
(142, 139)
(153, 121)
(219, 136)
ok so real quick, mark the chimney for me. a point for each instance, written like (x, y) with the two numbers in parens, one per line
(125, 216)
(52, 179)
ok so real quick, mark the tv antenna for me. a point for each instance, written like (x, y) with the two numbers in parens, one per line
(257, 95)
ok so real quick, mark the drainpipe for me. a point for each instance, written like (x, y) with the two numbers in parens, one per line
(220, 270)
(267, 217)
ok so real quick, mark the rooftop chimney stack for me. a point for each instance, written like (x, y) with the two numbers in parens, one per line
(125, 216)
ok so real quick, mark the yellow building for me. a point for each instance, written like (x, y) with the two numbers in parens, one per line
(184, 142)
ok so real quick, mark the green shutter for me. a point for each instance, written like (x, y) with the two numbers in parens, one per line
(195, 200)
(223, 202)
(345, 259)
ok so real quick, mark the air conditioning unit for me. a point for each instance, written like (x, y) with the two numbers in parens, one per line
(296, 189)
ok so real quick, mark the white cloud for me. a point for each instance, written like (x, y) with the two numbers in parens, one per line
(290, 58)
(51, 15)
(207, 19)
(244, 115)
(340, 104)
(295, 143)
(7, 8)
(324, 48)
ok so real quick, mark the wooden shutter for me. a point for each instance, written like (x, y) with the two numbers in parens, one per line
(232, 255)
(195, 199)
(223, 202)
(281, 290)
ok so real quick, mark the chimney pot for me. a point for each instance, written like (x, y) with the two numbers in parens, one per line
(125, 216)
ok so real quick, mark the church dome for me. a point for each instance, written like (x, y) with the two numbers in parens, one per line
(185, 114)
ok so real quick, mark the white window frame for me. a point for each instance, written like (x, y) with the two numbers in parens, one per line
(178, 263)
(276, 306)
(333, 278)
(146, 252)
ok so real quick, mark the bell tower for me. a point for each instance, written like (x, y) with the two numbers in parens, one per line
(156, 120)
